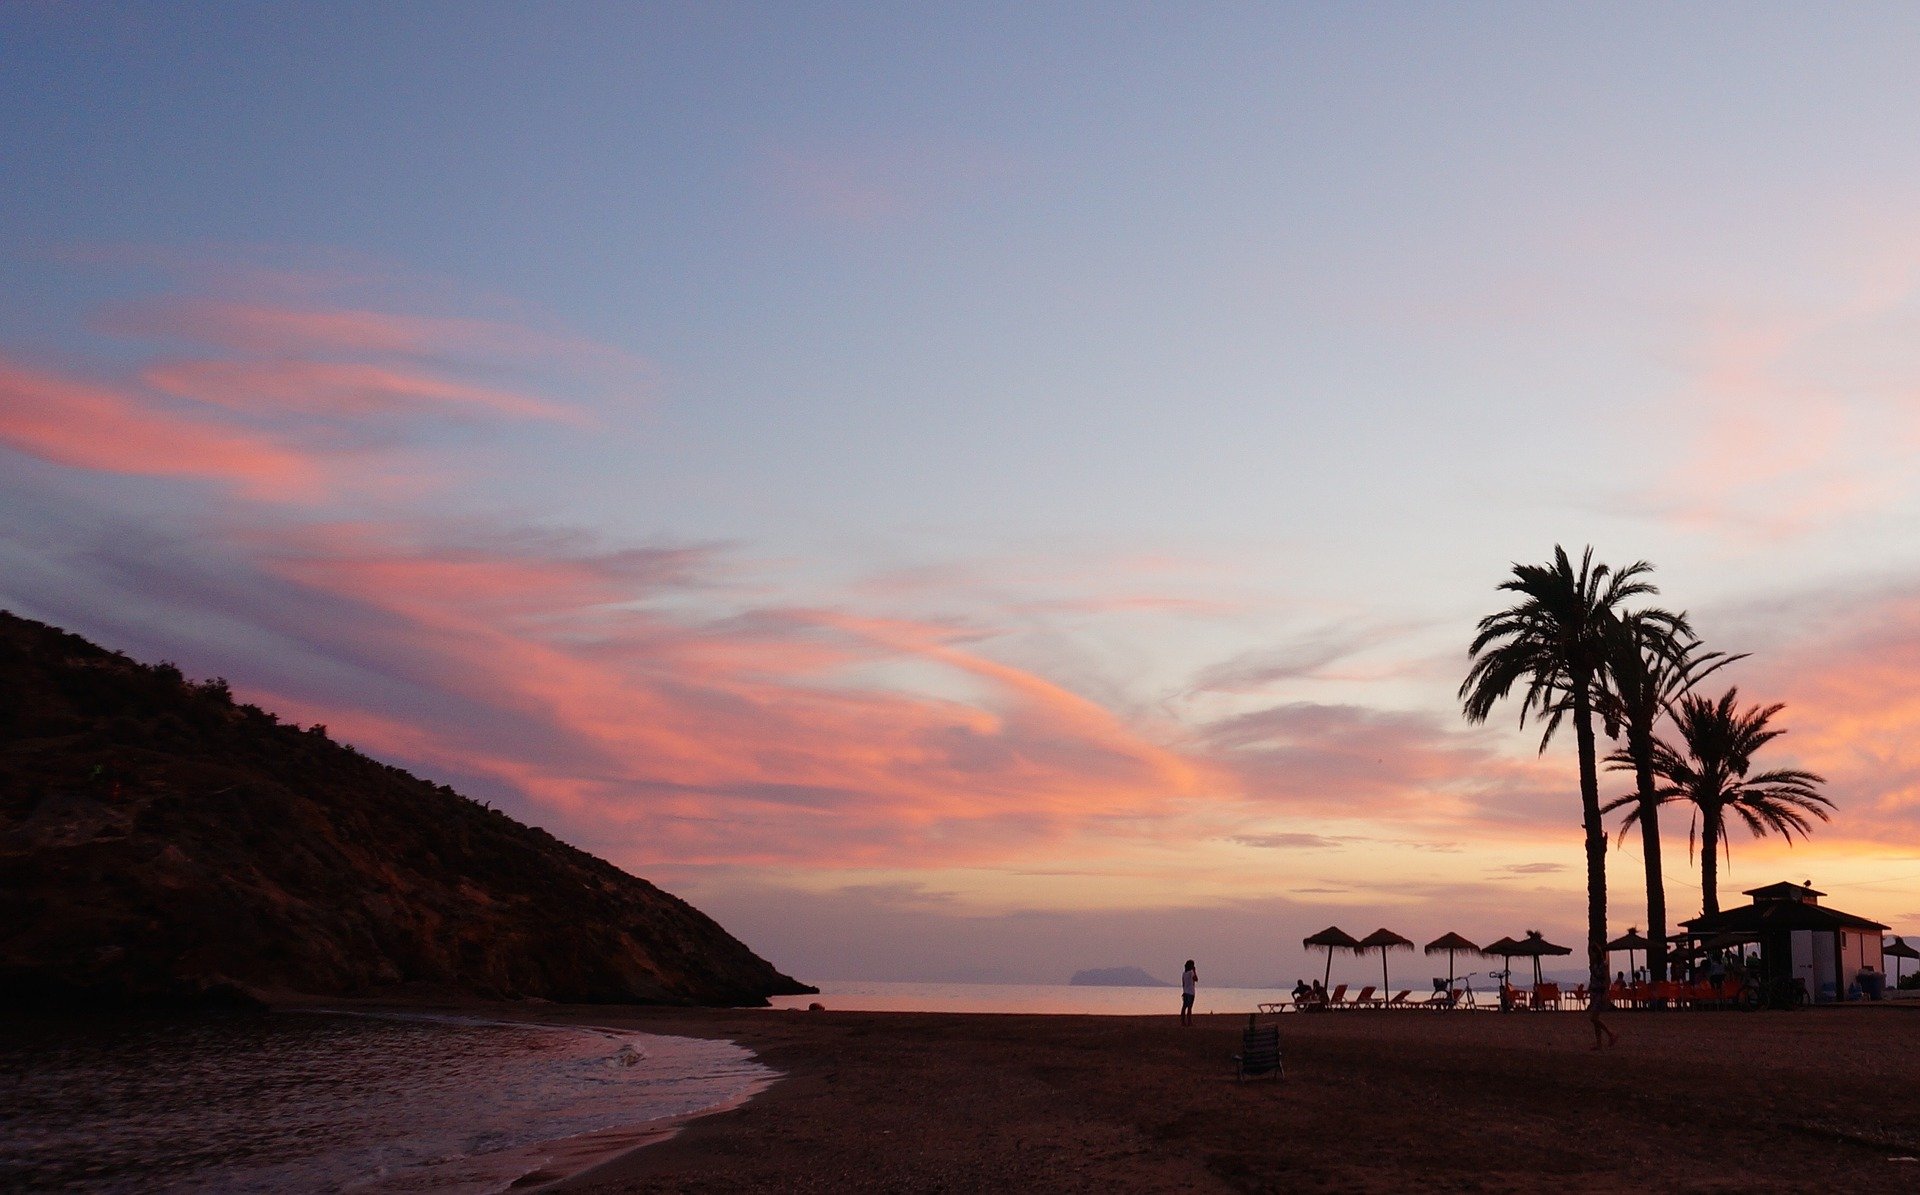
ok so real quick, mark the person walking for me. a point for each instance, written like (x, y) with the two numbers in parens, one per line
(1189, 980)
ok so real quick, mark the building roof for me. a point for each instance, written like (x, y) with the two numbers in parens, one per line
(1763, 916)
(1783, 891)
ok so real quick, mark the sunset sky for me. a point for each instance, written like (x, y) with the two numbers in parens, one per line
(980, 491)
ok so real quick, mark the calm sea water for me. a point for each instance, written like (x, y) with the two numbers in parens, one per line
(874, 996)
(330, 1102)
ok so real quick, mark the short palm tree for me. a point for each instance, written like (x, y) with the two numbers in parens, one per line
(1710, 771)
(1555, 639)
(1653, 660)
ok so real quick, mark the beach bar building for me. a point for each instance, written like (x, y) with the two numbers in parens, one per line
(1798, 936)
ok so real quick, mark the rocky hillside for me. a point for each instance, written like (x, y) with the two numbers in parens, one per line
(159, 841)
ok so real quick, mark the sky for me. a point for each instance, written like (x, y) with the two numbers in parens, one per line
(974, 492)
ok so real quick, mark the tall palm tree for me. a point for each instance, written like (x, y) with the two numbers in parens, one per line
(1555, 638)
(1710, 770)
(1653, 660)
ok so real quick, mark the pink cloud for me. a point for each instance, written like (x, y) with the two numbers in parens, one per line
(89, 426)
(256, 328)
(346, 390)
(1791, 421)
(1853, 710)
(280, 330)
(303, 400)
(735, 739)
(1347, 761)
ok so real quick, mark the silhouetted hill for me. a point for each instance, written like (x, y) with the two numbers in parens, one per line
(158, 841)
(1116, 977)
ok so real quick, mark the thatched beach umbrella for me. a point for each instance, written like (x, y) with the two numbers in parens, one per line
(1896, 952)
(1383, 940)
(1331, 937)
(1452, 944)
(1629, 942)
(1534, 946)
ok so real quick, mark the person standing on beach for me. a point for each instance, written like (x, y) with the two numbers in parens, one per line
(1189, 979)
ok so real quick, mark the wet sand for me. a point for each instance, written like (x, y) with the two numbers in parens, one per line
(1820, 1099)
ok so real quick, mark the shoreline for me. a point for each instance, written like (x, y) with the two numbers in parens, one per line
(551, 1164)
(964, 1102)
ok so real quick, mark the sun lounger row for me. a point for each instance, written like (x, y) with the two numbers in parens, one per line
(1337, 999)
(1546, 997)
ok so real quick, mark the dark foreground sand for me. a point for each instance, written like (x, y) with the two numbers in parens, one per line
(1814, 1100)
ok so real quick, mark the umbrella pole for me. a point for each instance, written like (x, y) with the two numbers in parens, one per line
(1449, 977)
(1328, 977)
(1384, 985)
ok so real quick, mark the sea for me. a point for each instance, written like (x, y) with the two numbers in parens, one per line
(338, 1102)
(876, 996)
(1090, 1000)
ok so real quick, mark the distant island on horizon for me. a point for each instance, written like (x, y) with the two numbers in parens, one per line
(161, 842)
(1116, 977)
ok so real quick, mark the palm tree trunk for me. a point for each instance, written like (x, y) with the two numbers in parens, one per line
(1710, 861)
(1596, 845)
(1640, 742)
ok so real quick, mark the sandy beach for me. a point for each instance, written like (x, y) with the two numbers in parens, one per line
(1815, 1100)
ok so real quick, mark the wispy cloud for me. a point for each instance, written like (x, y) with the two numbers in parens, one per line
(261, 327)
(1290, 842)
(1306, 656)
(343, 391)
(290, 404)
(1796, 419)
(97, 426)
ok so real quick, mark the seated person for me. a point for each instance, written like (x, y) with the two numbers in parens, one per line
(1301, 992)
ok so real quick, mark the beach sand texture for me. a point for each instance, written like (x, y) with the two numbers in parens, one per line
(1814, 1100)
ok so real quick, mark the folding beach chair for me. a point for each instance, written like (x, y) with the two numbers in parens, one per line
(1259, 1052)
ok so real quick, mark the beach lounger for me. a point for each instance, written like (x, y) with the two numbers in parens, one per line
(1365, 999)
(1259, 1052)
(1338, 997)
(1400, 1000)
(1547, 995)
